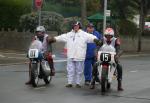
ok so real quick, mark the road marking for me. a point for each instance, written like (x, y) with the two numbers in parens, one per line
(37, 88)
(16, 57)
(14, 53)
(2, 56)
(134, 71)
(55, 61)
(59, 61)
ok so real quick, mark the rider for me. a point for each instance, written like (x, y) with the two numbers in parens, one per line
(109, 39)
(46, 49)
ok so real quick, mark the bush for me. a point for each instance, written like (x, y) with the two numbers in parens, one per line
(50, 20)
(10, 12)
(127, 28)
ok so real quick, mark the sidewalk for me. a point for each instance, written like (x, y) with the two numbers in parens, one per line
(135, 54)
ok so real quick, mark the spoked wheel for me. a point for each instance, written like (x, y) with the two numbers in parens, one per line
(34, 75)
(47, 79)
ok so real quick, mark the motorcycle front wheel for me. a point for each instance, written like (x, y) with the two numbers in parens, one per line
(34, 74)
(104, 80)
(47, 79)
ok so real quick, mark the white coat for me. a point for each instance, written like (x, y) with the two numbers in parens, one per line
(76, 50)
(76, 43)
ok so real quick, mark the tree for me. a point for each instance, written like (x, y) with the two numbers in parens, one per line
(121, 11)
(93, 6)
(83, 12)
(11, 10)
(143, 11)
(126, 11)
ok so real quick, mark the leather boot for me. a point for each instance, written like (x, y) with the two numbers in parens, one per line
(52, 72)
(120, 85)
(28, 82)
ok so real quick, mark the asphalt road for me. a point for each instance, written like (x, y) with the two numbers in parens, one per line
(136, 82)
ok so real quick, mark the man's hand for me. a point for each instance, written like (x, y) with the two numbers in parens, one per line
(98, 42)
(116, 57)
(51, 39)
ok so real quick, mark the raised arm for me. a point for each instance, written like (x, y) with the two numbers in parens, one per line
(51, 39)
(98, 42)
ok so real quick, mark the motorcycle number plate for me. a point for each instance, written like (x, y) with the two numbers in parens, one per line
(33, 53)
(105, 57)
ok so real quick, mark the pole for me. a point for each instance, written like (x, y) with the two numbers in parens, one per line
(83, 12)
(39, 11)
(39, 6)
(33, 5)
(104, 20)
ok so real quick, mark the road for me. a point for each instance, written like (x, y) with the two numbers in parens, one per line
(136, 82)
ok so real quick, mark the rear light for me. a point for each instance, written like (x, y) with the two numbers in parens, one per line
(105, 65)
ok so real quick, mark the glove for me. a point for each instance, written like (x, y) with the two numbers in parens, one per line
(116, 58)
(98, 42)
(51, 40)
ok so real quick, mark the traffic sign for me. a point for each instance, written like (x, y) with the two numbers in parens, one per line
(108, 12)
(38, 3)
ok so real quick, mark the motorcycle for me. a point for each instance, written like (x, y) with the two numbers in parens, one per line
(106, 69)
(39, 66)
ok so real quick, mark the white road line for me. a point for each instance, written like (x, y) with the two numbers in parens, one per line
(134, 71)
(37, 88)
(55, 61)
(63, 60)
(2, 56)
(14, 53)
(17, 57)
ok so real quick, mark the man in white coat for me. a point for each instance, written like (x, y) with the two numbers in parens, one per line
(76, 41)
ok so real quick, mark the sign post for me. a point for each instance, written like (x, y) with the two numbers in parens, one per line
(38, 4)
(108, 12)
(104, 20)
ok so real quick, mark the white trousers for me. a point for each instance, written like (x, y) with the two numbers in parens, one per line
(74, 70)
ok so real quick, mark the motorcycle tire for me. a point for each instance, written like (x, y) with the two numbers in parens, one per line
(104, 80)
(47, 79)
(108, 86)
(34, 75)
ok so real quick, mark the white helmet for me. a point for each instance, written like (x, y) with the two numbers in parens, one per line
(109, 31)
(40, 28)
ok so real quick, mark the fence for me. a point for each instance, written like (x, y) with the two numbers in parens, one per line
(13, 40)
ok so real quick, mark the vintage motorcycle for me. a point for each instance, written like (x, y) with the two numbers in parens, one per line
(39, 66)
(106, 67)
